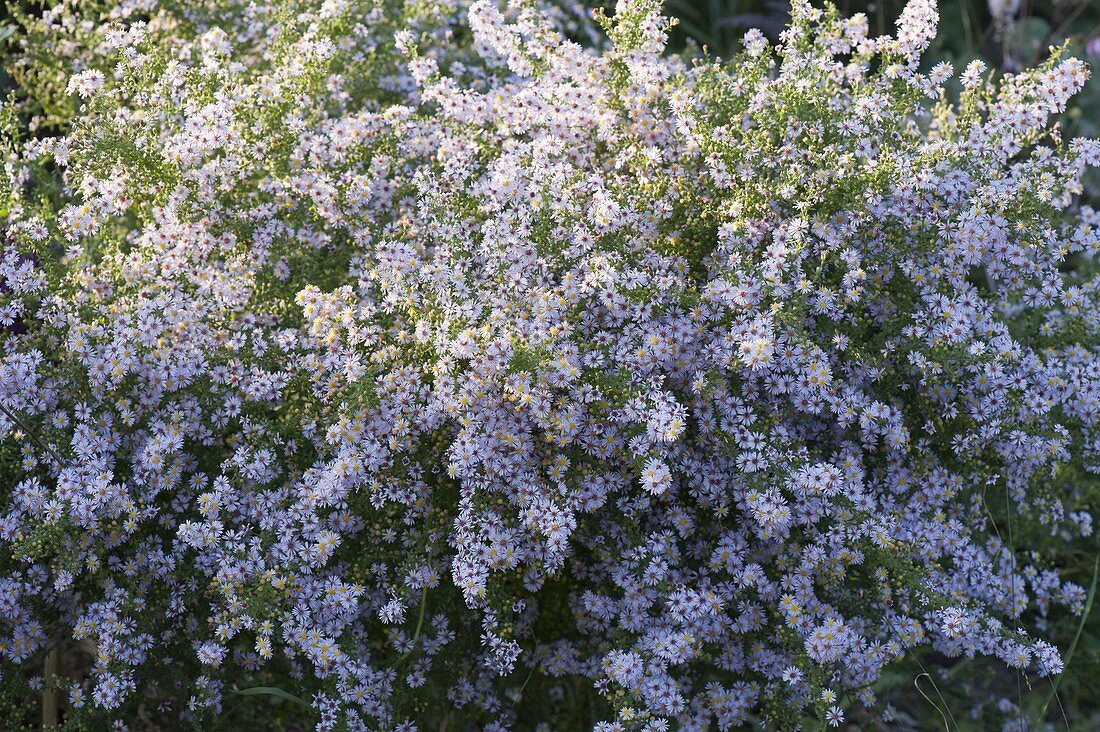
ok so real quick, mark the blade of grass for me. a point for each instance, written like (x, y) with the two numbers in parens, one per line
(968, 28)
(946, 706)
(1076, 637)
(916, 683)
(272, 691)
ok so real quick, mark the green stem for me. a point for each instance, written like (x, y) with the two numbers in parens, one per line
(419, 625)
(49, 691)
(30, 433)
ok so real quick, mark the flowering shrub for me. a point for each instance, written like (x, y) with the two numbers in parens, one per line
(428, 361)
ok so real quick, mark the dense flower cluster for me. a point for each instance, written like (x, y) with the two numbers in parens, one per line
(372, 348)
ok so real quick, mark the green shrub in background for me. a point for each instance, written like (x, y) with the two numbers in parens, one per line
(985, 30)
(968, 31)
